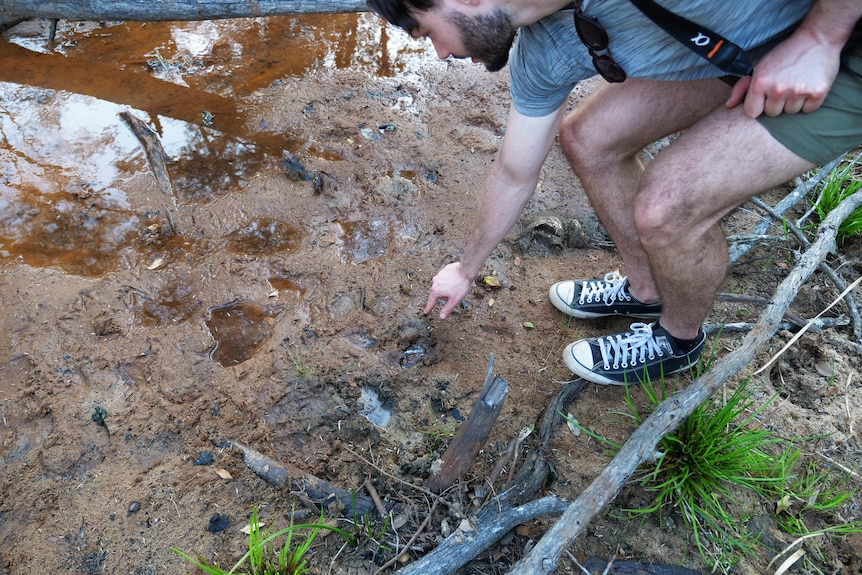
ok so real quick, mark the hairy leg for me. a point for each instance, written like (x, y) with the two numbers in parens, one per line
(602, 139)
(713, 167)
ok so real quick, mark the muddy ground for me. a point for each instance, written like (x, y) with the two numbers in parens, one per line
(269, 311)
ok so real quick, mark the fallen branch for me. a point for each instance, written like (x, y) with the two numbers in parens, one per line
(317, 490)
(825, 268)
(737, 250)
(817, 324)
(508, 509)
(165, 10)
(670, 413)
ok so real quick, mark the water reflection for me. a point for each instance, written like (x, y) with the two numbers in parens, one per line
(207, 163)
(64, 155)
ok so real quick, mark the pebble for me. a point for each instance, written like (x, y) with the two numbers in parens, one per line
(134, 506)
(218, 523)
(205, 458)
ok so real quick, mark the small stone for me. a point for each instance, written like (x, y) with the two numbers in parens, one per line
(218, 523)
(134, 506)
(205, 458)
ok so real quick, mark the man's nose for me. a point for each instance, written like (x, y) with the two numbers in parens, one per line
(441, 50)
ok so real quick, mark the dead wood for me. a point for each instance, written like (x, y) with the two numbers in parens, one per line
(510, 508)
(817, 325)
(852, 309)
(596, 565)
(739, 249)
(641, 446)
(321, 492)
(165, 10)
(472, 435)
(156, 160)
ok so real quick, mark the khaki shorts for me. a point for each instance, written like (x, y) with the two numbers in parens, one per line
(833, 129)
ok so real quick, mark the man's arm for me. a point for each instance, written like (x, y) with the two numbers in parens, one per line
(797, 74)
(508, 186)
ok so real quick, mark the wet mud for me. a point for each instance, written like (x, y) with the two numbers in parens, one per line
(278, 303)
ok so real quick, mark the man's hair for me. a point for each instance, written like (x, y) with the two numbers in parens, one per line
(401, 12)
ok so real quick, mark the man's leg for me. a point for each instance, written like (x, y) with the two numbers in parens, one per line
(602, 140)
(665, 219)
(714, 166)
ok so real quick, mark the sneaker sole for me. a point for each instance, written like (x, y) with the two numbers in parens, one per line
(568, 310)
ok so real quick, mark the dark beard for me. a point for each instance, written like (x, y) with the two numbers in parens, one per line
(488, 38)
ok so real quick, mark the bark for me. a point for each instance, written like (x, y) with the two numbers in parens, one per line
(136, 10)
(641, 446)
(510, 508)
(317, 490)
(472, 435)
(153, 150)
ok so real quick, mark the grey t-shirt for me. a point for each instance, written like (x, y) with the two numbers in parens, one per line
(548, 58)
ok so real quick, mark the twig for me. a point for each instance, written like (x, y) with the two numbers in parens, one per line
(412, 540)
(740, 249)
(830, 273)
(427, 492)
(847, 405)
(671, 412)
(577, 564)
(742, 298)
(375, 497)
(799, 333)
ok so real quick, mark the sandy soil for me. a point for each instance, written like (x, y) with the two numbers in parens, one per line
(335, 272)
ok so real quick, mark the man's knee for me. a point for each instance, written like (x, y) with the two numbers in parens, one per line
(574, 141)
(660, 220)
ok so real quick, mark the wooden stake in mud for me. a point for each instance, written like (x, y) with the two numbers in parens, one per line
(156, 159)
(472, 435)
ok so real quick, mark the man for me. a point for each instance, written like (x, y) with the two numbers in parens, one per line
(801, 107)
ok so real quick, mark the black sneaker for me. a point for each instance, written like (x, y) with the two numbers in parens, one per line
(630, 357)
(600, 298)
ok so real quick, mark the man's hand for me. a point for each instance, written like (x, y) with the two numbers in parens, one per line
(450, 286)
(794, 77)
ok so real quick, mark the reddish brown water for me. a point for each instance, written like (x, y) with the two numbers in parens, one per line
(64, 153)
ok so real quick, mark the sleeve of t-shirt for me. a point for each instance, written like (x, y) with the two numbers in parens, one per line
(544, 70)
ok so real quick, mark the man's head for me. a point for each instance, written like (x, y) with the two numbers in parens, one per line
(463, 28)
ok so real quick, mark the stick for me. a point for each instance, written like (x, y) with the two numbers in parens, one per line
(830, 273)
(738, 250)
(472, 435)
(671, 412)
(318, 490)
(171, 9)
(502, 512)
(156, 159)
(489, 525)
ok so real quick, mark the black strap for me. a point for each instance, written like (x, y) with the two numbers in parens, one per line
(719, 51)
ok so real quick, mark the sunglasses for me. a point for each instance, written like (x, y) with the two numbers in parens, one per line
(595, 39)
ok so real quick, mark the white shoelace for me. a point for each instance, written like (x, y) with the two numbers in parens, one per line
(632, 348)
(609, 290)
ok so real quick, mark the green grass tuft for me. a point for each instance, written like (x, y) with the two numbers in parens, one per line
(840, 184)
